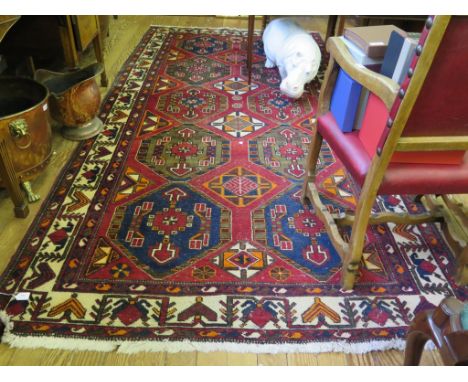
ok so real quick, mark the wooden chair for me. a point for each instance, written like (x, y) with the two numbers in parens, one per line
(446, 326)
(427, 113)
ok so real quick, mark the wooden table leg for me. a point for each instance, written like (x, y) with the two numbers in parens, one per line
(341, 24)
(335, 26)
(97, 44)
(266, 20)
(8, 175)
(67, 39)
(331, 25)
(250, 46)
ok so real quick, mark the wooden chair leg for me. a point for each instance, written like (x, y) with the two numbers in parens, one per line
(353, 257)
(415, 342)
(443, 327)
(311, 163)
(418, 334)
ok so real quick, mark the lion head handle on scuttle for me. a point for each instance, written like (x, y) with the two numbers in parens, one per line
(294, 52)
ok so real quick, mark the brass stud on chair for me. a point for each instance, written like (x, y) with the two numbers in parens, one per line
(429, 22)
(389, 123)
(410, 72)
(401, 93)
(419, 50)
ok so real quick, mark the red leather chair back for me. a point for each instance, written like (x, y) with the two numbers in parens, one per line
(442, 104)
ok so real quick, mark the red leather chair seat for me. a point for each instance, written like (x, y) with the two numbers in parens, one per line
(400, 178)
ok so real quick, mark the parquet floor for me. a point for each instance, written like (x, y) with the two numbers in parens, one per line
(126, 31)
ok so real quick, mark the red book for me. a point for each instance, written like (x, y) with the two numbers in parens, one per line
(429, 157)
(373, 124)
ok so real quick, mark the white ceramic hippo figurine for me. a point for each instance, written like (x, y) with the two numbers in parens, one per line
(294, 52)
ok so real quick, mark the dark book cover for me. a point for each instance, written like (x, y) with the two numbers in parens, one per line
(404, 61)
(395, 43)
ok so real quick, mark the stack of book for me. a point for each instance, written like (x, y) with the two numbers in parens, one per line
(368, 46)
(386, 49)
(371, 41)
(359, 55)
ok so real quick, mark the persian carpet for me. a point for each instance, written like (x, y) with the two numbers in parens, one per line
(180, 227)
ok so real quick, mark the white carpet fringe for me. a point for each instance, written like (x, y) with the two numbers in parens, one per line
(341, 347)
(131, 347)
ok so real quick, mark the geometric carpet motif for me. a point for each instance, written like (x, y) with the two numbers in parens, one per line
(182, 222)
(283, 151)
(240, 186)
(238, 124)
(183, 152)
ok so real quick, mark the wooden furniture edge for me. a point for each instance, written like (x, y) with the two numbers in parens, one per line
(326, 217)
(10, 179)
(441, 143)
(383, 87)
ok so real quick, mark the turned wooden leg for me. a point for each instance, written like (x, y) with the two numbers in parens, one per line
(250, 46)
(414, 348)
(8, 175)
(417, 337)
(353, 257)
(311, 163)
(442, 326)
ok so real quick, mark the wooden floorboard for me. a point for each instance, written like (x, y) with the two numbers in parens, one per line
(272, 359)
(181, 359)
(125, 33)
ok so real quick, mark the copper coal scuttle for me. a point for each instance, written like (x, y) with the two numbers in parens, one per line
(25, 135)
(75, 100)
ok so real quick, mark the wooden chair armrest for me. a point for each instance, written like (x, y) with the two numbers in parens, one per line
(383, 87)
(441, 143)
